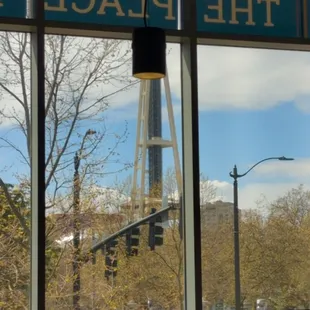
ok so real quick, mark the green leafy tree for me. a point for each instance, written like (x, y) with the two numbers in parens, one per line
(14, 247)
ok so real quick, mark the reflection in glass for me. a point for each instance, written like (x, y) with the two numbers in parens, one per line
(253, 105)
(15, 208)
(91, 141)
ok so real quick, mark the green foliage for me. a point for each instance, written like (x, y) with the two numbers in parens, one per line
(14, 244)
(274, 254)
(15, 249)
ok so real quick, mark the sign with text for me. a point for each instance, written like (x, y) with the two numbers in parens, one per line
(13, 8)
(277, 18)
(160, 13)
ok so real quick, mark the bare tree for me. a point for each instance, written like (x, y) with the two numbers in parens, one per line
(14, 248)
(76, 71)
(81, 77)
(170, 186)
(294, 206)
(207, 190)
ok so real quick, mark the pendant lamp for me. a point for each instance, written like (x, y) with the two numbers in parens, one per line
(148, 52)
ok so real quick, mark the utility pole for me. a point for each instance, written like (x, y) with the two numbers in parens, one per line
(235, 175)
(76, 234)
(76, 264)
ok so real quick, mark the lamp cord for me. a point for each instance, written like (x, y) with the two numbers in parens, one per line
(144, 14)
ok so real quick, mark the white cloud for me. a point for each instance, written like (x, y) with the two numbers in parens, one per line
(76, 64)
(254, 194)
(296, 169)
(243, 78)
(125, 104)
(229, 78)
(264, 184)
(268, 182)
(223, 190)
(104, 200)
(251, 78)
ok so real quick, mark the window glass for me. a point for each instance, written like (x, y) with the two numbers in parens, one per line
(15, 206)
(254, 107)
(110, 164)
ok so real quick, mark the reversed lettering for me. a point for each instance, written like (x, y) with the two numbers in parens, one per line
(168, 6)
(219, 9)
(115, 4)
(269, 3)
(131, 13)
(59, 8)
(248, 10)
(86, 10)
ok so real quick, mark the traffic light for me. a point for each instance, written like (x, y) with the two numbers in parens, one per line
(132, 241)
(156, 231)
(111, 259)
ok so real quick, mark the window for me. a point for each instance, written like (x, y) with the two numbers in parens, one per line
(102, 175)
(253, 107)
(15, 189)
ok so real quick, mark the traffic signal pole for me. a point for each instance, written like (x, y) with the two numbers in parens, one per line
(124, 230)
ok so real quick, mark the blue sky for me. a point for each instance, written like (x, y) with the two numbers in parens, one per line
(227, 137)
(242, 137)
(253, 104)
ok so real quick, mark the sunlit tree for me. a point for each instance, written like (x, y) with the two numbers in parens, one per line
(82, 76)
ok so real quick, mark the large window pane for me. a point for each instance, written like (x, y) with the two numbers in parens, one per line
(93, 179)
(253, 106)
(15, 208)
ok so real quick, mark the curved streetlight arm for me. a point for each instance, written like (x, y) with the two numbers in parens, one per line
(235, 175)
(89, 132)
(78, 153)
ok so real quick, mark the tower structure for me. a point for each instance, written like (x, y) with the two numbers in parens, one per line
(155, 154)
(149, 144)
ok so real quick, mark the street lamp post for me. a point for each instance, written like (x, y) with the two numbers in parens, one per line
(76, 223)
(234, 174)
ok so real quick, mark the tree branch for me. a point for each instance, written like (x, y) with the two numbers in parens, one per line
(14, 209)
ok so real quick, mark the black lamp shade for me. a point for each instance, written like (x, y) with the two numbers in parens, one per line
(149, 53)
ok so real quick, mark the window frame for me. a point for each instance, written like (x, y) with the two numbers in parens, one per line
(189, 38)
